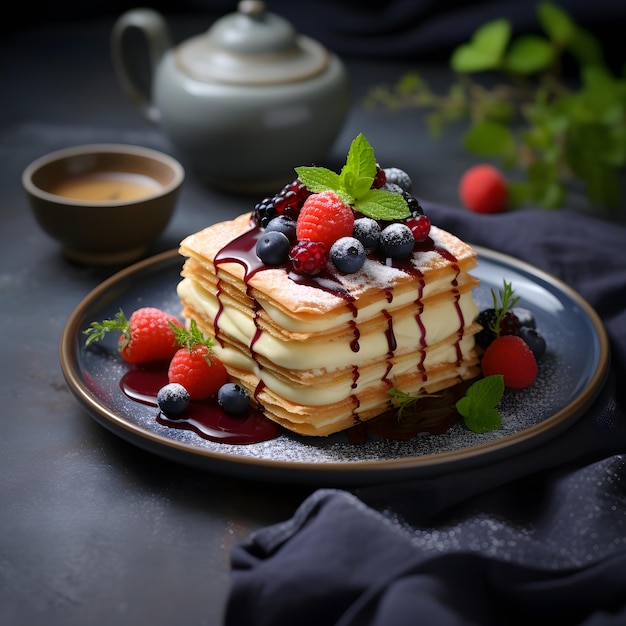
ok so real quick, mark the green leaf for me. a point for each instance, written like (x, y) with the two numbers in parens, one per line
(556, 22)
(490, 139)
(477, 407)
(318, 179)
(528, 54)
(382, 205)
(585, 47)
(485, 49)
(357, 175)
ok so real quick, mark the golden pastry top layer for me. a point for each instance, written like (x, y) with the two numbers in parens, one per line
(302, 303)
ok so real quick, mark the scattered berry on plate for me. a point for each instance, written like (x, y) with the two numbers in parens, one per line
(324, 217)
(535, 340)
(233, 398)
(483, 189)
(510, 357)
(173, 399)
(348, 254)
(146, 337)
(272, 247)
(195, 366)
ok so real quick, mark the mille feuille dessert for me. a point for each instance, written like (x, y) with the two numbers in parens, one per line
(331, 294)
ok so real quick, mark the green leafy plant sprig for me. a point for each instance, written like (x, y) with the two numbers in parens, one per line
(533, 120)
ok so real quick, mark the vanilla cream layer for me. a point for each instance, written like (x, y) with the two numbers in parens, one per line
(438, 320)
(336, 390)
(311, 359)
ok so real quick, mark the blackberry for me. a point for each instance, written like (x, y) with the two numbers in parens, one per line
(286, 202)
(486, 318)
(264, 212)
(413, 203)
(399, 177)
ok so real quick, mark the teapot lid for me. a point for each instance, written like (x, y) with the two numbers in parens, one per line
(252, 47)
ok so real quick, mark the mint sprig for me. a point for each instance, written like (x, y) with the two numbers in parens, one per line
(477, 407)
(354, 184)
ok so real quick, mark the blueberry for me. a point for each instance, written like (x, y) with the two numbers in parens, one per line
(534, 341)
(348, 254)
(396, 241)
(173, 399)
(283, 224)
(367, 231)
(398, 177)
(233, 398)
(273, 247)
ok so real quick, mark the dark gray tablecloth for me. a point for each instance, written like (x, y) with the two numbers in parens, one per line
(531, 539)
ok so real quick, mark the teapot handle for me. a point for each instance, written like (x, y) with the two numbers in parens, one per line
(126, 61)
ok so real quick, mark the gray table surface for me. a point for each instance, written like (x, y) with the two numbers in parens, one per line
(93, 529)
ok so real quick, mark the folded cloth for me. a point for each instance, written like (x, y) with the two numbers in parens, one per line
(540, 536)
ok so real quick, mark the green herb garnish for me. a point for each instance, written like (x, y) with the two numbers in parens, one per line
(507, 301)
(402, 401)
(354, 184)
(477, 407)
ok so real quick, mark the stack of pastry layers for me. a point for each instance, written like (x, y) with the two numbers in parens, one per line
(317, 362)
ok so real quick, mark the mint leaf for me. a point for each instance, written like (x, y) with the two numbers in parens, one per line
(358, 174)
(382, 205)
(477, 407)
(354, 184)
(485, 49)
(318, 179)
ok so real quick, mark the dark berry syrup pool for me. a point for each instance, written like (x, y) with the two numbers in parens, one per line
(433, 415)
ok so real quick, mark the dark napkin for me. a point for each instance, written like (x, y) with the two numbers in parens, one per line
(539, 536)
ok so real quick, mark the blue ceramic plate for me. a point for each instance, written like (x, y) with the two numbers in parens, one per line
(571, 374)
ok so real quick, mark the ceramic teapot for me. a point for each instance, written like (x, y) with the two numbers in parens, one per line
(244, 102)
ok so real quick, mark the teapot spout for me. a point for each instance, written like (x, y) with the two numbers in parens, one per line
(127, 56)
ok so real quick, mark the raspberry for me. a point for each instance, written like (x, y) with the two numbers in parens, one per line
(482, 189)
(324, 217)
(198, 370)
(308, 257)
(511, 357)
